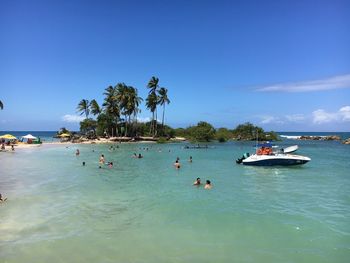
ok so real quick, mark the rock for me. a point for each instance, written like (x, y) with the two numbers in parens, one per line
(347, 141)
(333, 138)
(321, 138)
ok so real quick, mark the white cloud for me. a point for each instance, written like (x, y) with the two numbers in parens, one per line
(337, 82)
(270, 119)
(345, 113)
(295, 117)
(321, 116)
(72, 118)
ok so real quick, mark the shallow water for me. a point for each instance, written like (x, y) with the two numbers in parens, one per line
(143, 210)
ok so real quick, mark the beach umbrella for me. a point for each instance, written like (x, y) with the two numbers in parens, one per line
(29, 136)
(8, 137)
(64, 135)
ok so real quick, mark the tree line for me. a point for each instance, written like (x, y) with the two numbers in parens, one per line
(117, 116)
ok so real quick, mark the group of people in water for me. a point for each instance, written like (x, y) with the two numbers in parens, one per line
(177, 165)
(207, 185)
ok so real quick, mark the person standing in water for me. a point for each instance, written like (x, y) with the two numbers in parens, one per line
(190, 160)
(177, 164)
(77, 152)
(102, 159)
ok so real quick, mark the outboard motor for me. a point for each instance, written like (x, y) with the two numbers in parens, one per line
(245, 156)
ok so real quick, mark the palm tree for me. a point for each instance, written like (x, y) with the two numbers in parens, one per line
(133, 101)
(95, 108)
(83, 108)
(121, 95)
(162, 100)
(151, 104)
(111, 105)
(1, 105)
(153, 86)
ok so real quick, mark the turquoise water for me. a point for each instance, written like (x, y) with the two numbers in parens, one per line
(143, 210)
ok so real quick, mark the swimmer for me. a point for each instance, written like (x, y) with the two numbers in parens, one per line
(77, 152)
(102, 159)
(177, 164)
(83, 163)
(134, 155)
(190, 160)
(1, 199)
(208, 185)
(140, 156)
(110, 164)
(197, 182)
(100, 167)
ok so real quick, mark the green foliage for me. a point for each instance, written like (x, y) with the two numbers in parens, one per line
(203, 132)
(105, 124)
(272, 136)
(88, 125)
(162, 140)
(181, 132)
(84, 108)
(248, 131)
(63, 130)
(223, 135)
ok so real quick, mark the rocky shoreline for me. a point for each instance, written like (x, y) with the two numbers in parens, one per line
(320, 138)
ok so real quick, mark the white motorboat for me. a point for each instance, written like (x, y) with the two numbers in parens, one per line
(290, 149)
(275, 159)
(264, 156)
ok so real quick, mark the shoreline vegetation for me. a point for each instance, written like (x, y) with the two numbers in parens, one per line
(116, 120)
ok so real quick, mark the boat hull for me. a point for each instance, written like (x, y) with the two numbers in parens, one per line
(275, 160)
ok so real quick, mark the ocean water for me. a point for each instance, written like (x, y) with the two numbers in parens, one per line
(144, 210)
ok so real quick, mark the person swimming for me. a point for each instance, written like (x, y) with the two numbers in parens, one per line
(190, 160)
(197, 182)
(77, 152)
(83, 163)
(110, 164)
(208, 185)
(140, 156)
(177, 164)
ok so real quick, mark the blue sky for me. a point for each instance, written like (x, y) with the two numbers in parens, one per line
(282, 65)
